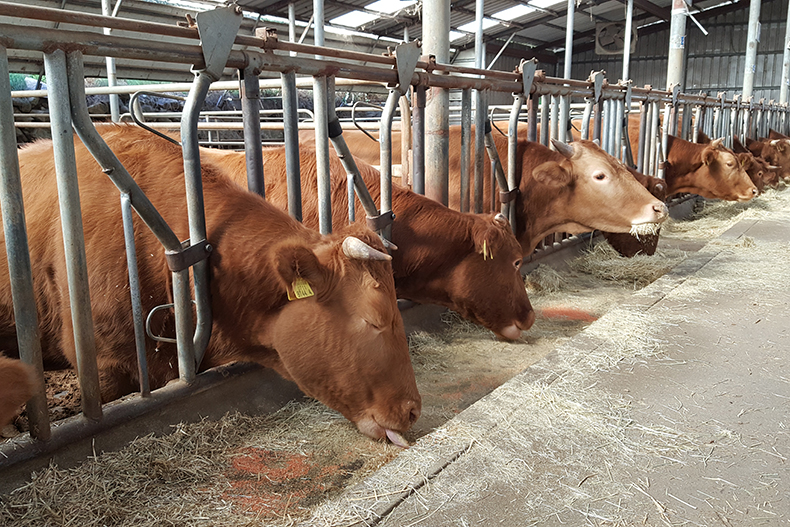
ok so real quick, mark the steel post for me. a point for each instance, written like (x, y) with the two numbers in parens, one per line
(418, 148)
(481, 111)
(512, 156)
(385, 140)
(73, 236)
(112, 76)
(20, 272)
(785, 82)
(544, 119)
(251, 117)
(643, 119)
(752, 39)
(134, 290)
(532, 118)
(466, 139)
(436, 41)
(291, 137)
(677, 44)
(322, 154)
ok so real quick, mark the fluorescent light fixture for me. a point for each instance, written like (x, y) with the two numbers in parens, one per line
(354, 19)
(471, 27)
(512, 13)
(390, 6)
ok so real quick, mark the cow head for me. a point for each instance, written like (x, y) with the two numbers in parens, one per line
(777, 153)
(346, 345)
(597, 192)
(711, 171)
(486, 284)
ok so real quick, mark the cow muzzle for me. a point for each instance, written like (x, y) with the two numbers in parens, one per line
(651, 219)
(513, 331)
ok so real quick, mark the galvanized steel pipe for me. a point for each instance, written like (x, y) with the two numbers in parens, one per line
(251, 117)
(466, 139)
(481, 111)
(20, 271)
(751, 49)
(512, 157)
(436, 41)
(291, 136)
(677, 44)
(385, 140)
(73, 236)
(418, 150)
(322, 155)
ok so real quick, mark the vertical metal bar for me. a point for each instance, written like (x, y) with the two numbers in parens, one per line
(20, 273)
(612, 126)
(112, 76)
(134, 290)
(629, 20)
(481, 111)
(291, 137)
(436, 41)
(479, 49)
(544, 119)
(322, 154)
(418, 150)
(553, 118)
(640, 156)
(512, 156)
(677, 44)
(598, 122)
(405, 138)
(385, 141)
(565, 116)
(588, 109)
(734, 120)
(197, 226)
(752, 39)
(618, 128)
(785, 83)
(318, 23)
(654, 138)
(532, 118)
(565, 102)
(251, 117)
(182, 305)
(466, 137)
(73, 236)
(695, 130)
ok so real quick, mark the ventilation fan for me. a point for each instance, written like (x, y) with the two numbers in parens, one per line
(610, 38)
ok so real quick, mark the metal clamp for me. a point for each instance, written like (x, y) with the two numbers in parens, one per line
(188, 256)
(597, 78)
(407, 55)
(378, 223)
(528, 68)
(507, 197)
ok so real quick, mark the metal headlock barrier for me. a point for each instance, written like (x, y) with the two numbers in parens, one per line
(541, 110)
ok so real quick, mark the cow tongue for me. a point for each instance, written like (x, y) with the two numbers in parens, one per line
(397, 439)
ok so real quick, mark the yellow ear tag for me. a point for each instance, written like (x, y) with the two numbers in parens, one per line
(301, 289)
(485, 251)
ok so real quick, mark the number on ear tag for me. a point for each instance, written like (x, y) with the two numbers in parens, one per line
(301, 289)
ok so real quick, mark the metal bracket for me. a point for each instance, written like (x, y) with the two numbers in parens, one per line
(378, 223)
(675, 94)
(507, 197)
(217, 29)
(528, 68)
(188, 256)
(597, 78)
(407, 56)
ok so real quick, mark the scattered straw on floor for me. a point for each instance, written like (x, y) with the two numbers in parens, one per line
(603, 262)
(543, 280)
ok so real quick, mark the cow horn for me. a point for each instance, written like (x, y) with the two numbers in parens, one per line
(356, 249)
(500, 219)
(774, 142)
(774, 167)
(563, 148)
(389, 245)
(716, 143)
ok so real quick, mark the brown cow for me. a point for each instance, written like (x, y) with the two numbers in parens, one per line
(466, 262)
(759, 171)
(577, 191)
(710, 171)
(16, 387)
(773, 134)
(345, 345)
(775, 151)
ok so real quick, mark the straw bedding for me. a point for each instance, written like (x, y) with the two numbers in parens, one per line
(281, 469)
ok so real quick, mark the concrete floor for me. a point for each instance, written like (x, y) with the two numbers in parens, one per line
(671, 410)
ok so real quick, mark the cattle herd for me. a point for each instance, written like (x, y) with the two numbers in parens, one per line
(321, 310)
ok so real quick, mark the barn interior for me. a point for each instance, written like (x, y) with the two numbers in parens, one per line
(537, 422)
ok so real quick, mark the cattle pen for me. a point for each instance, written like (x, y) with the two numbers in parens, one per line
(203, 442)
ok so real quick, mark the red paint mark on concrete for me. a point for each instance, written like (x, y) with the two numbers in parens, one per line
(567, 313)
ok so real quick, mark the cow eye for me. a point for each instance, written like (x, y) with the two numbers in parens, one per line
(600, 176)
(517, 264)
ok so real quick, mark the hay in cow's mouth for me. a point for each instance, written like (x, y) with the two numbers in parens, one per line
(645, 229)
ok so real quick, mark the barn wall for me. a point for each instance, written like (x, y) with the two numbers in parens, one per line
(714, 63)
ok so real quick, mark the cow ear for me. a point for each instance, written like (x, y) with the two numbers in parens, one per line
(745, 160)
(552, 173)
(709, 154)
(294, 262)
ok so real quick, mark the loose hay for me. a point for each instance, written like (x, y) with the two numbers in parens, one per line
(544, 280)
(603, 262)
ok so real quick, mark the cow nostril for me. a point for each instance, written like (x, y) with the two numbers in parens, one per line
(754, 192)
(414, 414)
(660, 208)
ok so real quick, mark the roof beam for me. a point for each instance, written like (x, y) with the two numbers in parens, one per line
(649, 7)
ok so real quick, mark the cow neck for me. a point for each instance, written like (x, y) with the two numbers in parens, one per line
(681, 166)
